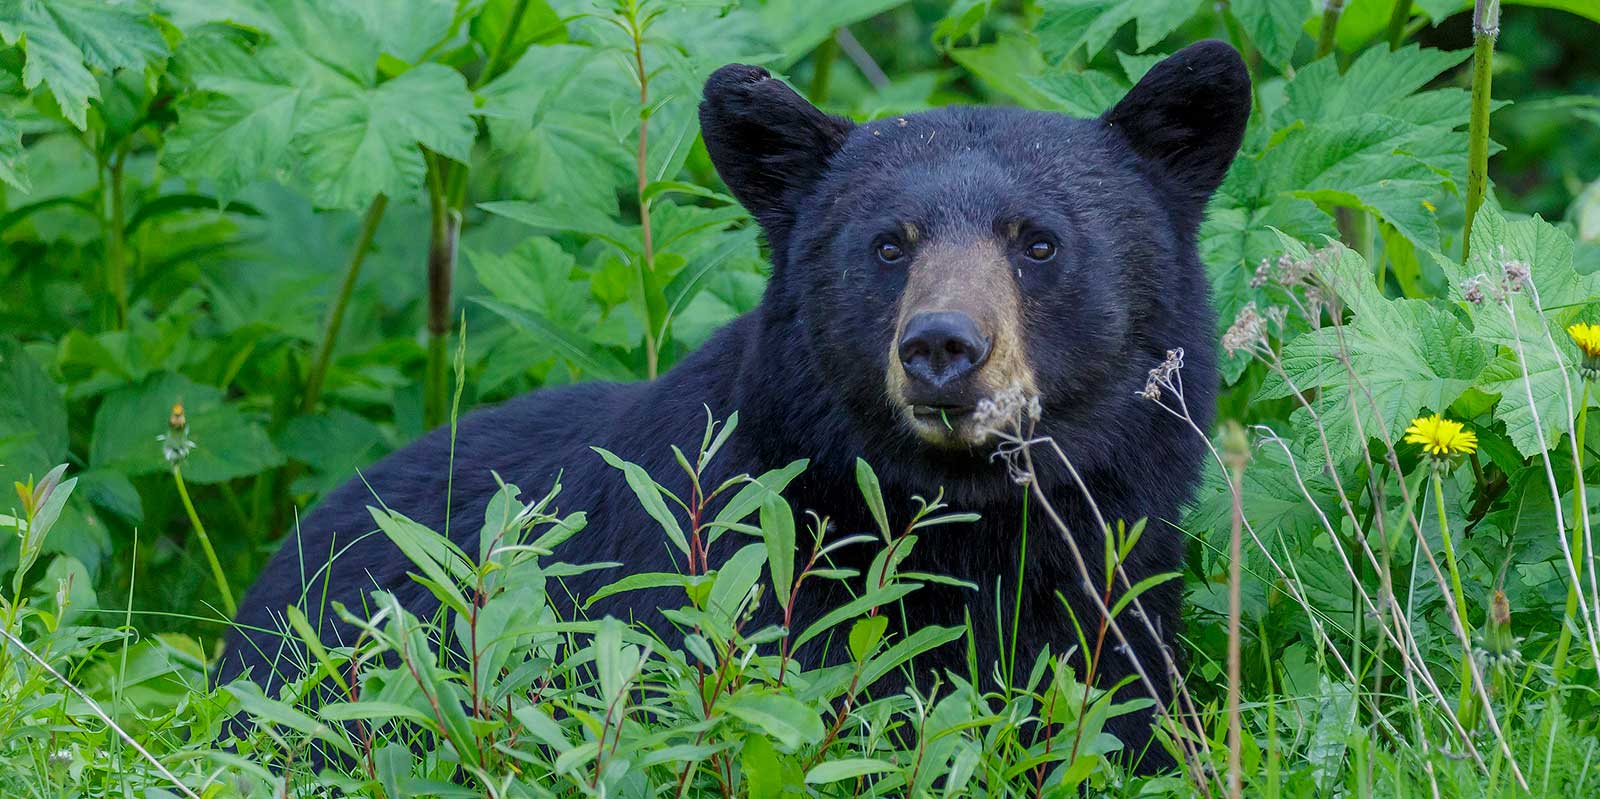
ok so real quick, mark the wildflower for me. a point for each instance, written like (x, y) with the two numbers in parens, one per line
(1440, 437)
(1163, 376)
(176, 443)
(1587, 337)
(1496, 648)
(1472, 289)
(1248, 332)
(1516, 273)
(1004, 411)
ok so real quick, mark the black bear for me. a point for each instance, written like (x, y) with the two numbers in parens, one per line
(921, 265)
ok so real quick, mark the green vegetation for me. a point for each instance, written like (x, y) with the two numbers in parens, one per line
(242, 243)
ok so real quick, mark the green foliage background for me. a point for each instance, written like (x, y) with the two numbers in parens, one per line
(248, 207)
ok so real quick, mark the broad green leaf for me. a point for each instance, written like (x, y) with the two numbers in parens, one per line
(329, 35)
(33, 418)
(1065, 24)
(791, 722)
(227, 444)
(535, 22)
(1273, 25)
(356, 144)
(592, 360)
(1379, 81)
(406, 29)
(11, 154)
(1524, 344)
(1084, 94)
(1406, 354)
(64, 39)
(241, 127)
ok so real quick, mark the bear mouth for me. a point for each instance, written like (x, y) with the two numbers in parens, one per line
(938, 413)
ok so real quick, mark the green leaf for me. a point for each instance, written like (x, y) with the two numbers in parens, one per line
(11, 155)
(777, 528)
(64, 39)
(359, 143)
(1065, 24)
(33, 417)
(441, 562)
(865, 635)
(640, 582)
(649, 494)
(1273, 25)
(735, 577)
(589, 358)
(1407, 354)
(872, 492)
(242, 125)
(227, 444)
(788, 720)
(1524, 344)
(425, 23)
(848, 769)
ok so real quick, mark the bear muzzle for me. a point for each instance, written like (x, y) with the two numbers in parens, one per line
(958, 341)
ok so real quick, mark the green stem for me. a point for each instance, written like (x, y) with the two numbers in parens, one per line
(1485, 27)
(1331, 10)
(341, 303)
(1465, 702)
(1397, 23)
(641, 168)
(1564, 641)
(496, 62)
(116, 242)
(822, 68)
(217, 574)
(443, 232)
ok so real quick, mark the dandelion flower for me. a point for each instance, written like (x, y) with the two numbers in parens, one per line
(1587, 337)
(1441, 437)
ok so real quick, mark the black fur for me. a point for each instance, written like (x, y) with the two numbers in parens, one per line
(805, 369)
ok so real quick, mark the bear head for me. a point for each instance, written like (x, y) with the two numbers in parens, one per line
(936, 260)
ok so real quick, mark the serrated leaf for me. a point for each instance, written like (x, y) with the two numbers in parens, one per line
(1525, 343)
(11, 154)
(356, 144)
(1406, 354)
(1273, 25)
(63, 39)
(1065, 24)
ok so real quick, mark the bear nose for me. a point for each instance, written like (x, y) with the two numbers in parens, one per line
(940, 347)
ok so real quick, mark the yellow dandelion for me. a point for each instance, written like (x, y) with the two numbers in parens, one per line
(1587, 337)
(1441, 437)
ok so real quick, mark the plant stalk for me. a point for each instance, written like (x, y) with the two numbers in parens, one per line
(641, 168)
(1564, 641)
(217, 573)
(1485, 28)
(341, 303)
(1237, 452)
(822, 68)
(1331, 11)
(1397, 23)
(444, 229)
(1465, 704)
(116, 241)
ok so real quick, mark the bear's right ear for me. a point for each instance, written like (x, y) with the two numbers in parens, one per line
(1187, 117)
(766, 141)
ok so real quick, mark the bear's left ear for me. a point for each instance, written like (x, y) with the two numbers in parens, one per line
(1187, 116)
(767, 142)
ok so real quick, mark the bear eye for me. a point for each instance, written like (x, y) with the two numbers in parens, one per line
(1040, 250)
(889, 252)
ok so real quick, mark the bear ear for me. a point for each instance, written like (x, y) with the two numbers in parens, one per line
(766, 141)
(1187, 116)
